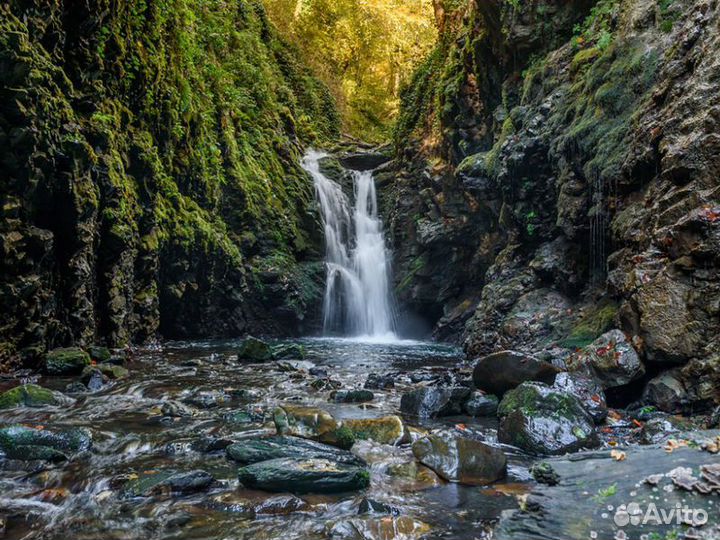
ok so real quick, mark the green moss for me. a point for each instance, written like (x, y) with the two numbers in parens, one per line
(29, 395)
(591, 325)
(68, 361)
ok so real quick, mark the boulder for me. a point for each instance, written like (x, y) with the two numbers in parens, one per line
(289, 351)
(352, 396)
(254, 350)
(309, 423)
(304, 476)
(481, 404)
(611, 358)
(278, 505)
(666, 392)
(248, 451)
(587, 389)
(434, 401)
(502, 371)
(363, 161)
(207, 399)
(32, 395)
(384, 430)
(380, 382)
(68, 361)
(99, 353)
(661, 428)
(26, 443)
(93, 378)
(149, 483)
(542, 420)
(460, 459)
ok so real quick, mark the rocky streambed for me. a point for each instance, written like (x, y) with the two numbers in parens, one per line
(323, 438)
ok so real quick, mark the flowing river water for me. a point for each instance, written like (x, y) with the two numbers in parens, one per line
(136, 435)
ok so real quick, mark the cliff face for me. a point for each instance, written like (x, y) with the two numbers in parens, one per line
(561, 178)
(150, 183)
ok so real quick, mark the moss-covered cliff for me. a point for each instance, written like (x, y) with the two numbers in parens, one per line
(560, 177)
(150, 183)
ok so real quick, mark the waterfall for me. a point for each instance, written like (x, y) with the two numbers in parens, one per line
(357, 301)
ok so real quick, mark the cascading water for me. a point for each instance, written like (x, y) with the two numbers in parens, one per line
(357, 299)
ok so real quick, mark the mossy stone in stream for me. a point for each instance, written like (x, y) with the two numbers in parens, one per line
(149, 483)
(306, 422)
(25, 443)
(352, 396)
(99, 353)
(304, 476)
(384, 430)
(111, 371)
(542, 420)
(254, 350)
(29, 395)
(67, 361)
(250, 451)
(292, 351)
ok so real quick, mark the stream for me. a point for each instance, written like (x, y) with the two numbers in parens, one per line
(135, 434)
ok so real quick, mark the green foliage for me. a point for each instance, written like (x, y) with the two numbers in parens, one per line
(365, 50)
(597, 28)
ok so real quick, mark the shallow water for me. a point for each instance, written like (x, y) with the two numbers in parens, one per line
(86, 498)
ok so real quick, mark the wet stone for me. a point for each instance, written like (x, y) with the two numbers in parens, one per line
(541, 420)
(500, 372)
(352, 396)
(304, 476)
(153, 482)
(380, 382)
(31, 395)
(254, 350)
(26, 443)
(248, 451)
(371, 506)
(384, 430)
(481, 404)
(433, 402)
(461, 459)
(67, 361)
(378, 528)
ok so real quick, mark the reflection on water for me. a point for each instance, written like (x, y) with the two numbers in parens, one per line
(136, 435)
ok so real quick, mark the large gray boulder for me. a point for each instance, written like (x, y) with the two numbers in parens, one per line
(611, 358)
(502, 371)
(545, 421)
(460, 459)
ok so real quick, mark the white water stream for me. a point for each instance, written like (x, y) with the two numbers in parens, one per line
(358, 301)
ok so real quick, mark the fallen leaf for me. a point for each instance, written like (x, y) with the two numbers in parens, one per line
(618, 455)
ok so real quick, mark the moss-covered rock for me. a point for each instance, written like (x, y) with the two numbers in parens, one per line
(25, 443)
(251, 451)
(31, 395)
(99, 353)
(67, 361)
(544, 421)
(383, 430)
(306, 422)
(254, 350)
(304, 476)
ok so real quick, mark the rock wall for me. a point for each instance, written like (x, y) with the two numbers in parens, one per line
(150, 184)
(560, 178)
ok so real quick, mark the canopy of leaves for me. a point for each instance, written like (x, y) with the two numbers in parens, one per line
(364, 50)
